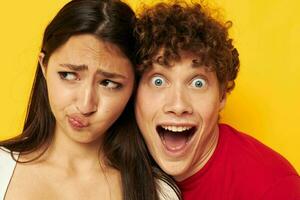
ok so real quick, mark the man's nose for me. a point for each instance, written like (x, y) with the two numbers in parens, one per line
(177, 101)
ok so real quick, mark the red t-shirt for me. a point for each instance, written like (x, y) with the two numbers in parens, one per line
(242, 168)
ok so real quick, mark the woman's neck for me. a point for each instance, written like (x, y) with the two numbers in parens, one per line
(75, 156)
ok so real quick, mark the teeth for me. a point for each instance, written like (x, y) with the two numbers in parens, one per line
(176, 128)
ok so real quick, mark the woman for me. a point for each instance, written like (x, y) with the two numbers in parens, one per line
(76, 144)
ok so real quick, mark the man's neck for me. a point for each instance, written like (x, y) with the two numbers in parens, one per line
(206, 152)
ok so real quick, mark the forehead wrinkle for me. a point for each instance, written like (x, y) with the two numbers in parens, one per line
(94, 51)
(100, 56)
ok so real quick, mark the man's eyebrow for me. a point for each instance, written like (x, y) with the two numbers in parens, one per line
(195, 63)
(74, 67)
(159, 60)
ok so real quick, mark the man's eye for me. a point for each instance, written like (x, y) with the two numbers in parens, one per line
(70, 76)
(110, 84)
(158, 81)
(198, 83)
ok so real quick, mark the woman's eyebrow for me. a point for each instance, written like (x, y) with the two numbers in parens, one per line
(84, 67)
(110, 74)
(75, 67)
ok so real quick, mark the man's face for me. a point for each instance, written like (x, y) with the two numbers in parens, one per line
(177, 110)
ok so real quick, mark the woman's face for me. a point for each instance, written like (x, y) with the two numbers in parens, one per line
(89, 84)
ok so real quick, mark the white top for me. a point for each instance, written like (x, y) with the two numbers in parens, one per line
(166, 192)
(7, 166)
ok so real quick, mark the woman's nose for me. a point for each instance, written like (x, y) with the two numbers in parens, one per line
(87, 101)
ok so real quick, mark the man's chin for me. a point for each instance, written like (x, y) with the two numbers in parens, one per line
(178, 169)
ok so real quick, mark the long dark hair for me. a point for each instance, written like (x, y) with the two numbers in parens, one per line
(111, 21)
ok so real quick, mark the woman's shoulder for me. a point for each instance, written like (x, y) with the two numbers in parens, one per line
(166, 192)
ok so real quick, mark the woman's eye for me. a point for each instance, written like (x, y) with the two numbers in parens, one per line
(110, 84)
(158, 81)
(198, 83)
(70, 76)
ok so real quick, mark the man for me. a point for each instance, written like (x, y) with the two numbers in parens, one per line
(188, 65)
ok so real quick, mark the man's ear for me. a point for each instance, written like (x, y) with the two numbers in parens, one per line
(41, 62)
(223, 100)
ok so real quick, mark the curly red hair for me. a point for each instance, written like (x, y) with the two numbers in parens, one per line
(170, 28)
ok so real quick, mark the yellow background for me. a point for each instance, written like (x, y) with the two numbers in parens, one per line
(265, 102)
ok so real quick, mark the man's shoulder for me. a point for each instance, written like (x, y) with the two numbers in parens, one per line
(253, 153)
(256, 166)
(286, 188)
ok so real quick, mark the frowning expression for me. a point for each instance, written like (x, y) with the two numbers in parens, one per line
(89, 83)
(177, 110)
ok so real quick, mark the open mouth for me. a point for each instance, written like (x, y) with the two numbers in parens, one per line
(175, 138)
